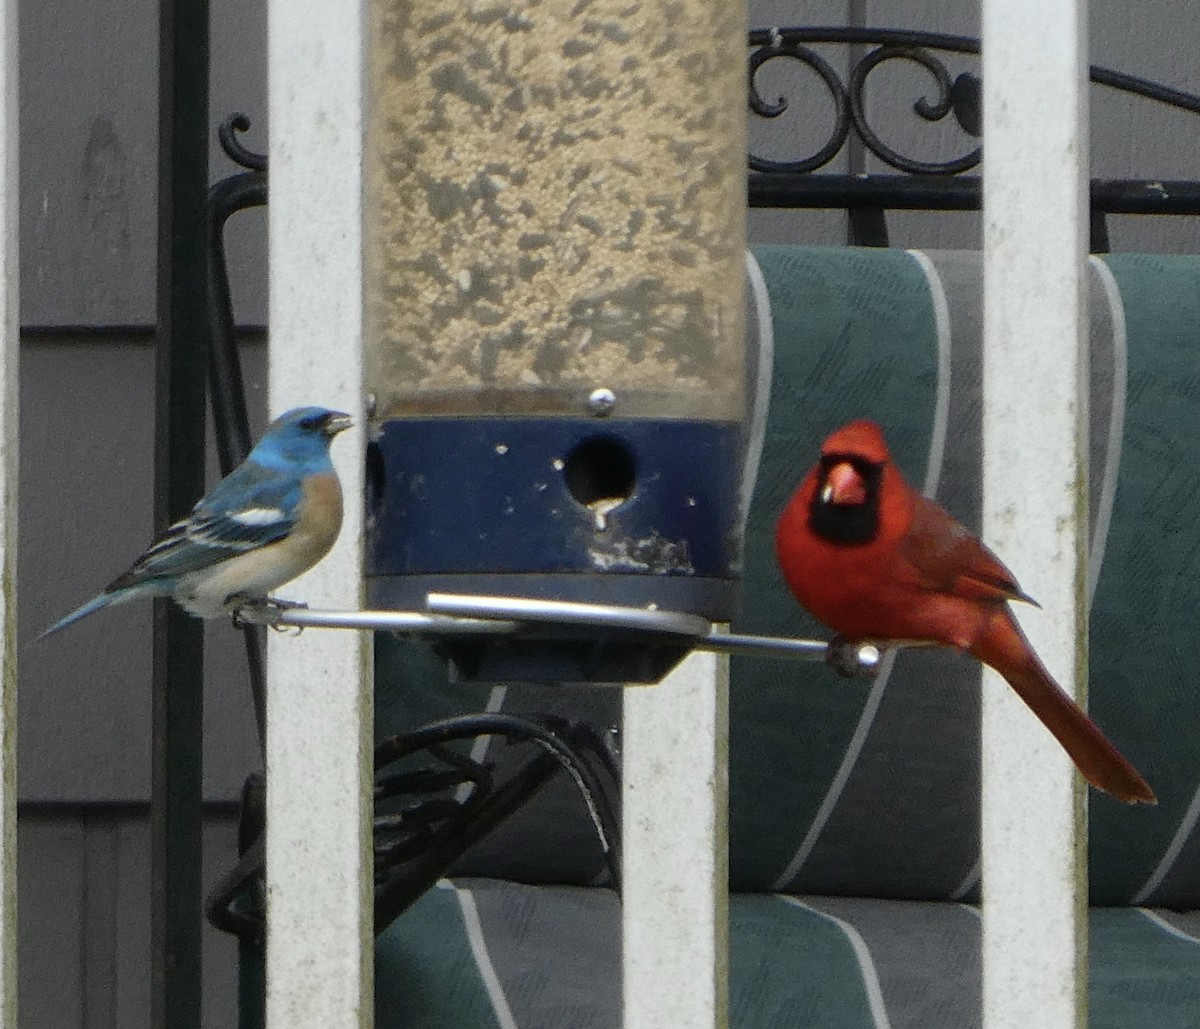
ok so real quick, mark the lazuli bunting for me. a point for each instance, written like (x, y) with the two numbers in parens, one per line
(270, 519)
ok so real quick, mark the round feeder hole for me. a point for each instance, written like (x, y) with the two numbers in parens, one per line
(600, 472)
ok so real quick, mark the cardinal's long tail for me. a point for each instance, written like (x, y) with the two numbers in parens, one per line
(1004, 647)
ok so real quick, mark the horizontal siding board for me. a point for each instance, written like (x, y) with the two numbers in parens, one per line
(85, 920)
(86, 495)
(50, 932)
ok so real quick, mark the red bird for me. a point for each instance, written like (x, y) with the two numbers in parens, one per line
(874, 560)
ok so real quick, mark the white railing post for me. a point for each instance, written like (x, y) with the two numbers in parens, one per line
(319, 877)
(10, 329)
(1035, 499)
(675, 893)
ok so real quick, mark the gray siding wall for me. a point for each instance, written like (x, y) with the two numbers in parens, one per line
(85, 919)
(88, 258)
(88, 255)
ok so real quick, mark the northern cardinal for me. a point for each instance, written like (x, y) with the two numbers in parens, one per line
(874, 560)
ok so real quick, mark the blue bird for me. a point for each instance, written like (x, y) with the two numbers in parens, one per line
(270, 519)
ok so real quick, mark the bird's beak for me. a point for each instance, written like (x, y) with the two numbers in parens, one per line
(844, 486)
(337, 422)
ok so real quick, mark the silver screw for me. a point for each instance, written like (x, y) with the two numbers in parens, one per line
(602, 401)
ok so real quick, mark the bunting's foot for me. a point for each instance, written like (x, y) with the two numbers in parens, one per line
(270, 603)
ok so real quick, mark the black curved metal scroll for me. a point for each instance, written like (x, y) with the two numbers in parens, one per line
(926, 184)
(226, 385)
(959, 96)
(432, 802)
(227, 390)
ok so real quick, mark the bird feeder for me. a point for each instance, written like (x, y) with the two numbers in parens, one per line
(554, 309)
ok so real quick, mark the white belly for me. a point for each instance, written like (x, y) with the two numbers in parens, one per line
(208, 593)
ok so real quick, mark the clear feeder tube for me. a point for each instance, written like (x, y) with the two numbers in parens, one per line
(554, 205)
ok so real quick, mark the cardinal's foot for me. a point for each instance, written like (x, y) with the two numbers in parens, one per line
(852, 659)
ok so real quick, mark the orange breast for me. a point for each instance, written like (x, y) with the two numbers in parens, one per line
(321, 514)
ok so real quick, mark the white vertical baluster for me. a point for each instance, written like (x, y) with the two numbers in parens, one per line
(320, 939)
(1035, 498)
(675, 835)
(10, 328)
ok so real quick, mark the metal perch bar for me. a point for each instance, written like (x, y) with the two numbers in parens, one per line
(464, 615)
(405, 623)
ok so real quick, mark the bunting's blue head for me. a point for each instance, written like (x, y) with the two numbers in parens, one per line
(300, 436)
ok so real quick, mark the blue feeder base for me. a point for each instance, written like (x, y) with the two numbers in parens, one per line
(633, 512)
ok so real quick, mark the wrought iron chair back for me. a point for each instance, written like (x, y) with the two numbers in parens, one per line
(925, 184)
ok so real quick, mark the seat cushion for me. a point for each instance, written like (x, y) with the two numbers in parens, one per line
(483, 953)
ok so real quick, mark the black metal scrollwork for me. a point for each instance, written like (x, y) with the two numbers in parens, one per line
(958, 96)
(930, 111)
(234, 149)
(432, 802)
(765, 109)
(227, 392)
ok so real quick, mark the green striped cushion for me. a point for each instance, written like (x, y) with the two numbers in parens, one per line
(484, 953)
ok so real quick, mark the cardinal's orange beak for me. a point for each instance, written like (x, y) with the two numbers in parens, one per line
(844, 486)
